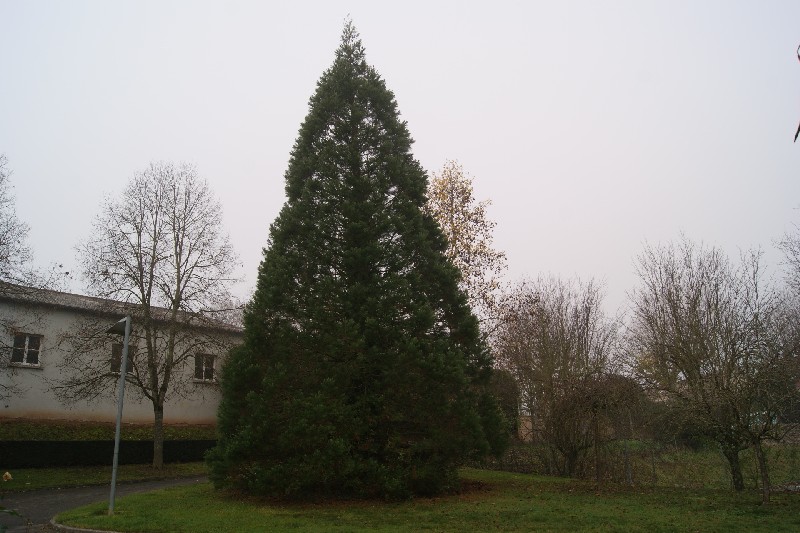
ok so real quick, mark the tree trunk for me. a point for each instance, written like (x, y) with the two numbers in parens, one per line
(653, 465)
(732, 455)
(597, 473)
(158, 436)
(554, 465)
(763, 468)
(627, 456)
(570, 462)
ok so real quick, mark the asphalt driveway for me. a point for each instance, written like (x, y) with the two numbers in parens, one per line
(38, 507)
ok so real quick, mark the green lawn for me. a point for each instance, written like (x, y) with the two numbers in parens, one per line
(45, 478)
(492, 501)
(667, 466)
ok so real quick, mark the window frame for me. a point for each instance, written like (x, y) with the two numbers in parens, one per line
(26, 350)
(201, 364)
(131, 353)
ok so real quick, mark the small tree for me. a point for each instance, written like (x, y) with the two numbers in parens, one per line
(15, 255)
(711, 336)
(363, 371)
(15, 268)
(160, 249)
(468, 230)
(556, 341)
(790, 246)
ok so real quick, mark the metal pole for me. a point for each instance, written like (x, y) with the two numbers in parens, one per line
(122, 374)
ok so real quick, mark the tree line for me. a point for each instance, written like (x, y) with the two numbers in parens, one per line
(709, 348)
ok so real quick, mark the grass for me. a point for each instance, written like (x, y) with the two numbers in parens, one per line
(667, 466)
(492, 501)
(677, 467)
(46, 478)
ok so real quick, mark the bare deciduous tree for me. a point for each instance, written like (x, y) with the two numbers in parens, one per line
(790, 246)
(558, 344)
(16, 274)
(712, 337)
(161, 250)
(15, 255)
(469, 236)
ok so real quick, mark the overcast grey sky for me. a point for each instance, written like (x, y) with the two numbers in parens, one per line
(592, 126)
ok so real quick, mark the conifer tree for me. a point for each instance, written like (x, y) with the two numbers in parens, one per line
(363, 371)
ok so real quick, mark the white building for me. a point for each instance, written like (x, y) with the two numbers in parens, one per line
(55, 349)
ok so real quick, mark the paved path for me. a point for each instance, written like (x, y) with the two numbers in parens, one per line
(39, 506)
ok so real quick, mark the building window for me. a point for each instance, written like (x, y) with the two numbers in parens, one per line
(26, 349)
(116, 358)
(204, 367)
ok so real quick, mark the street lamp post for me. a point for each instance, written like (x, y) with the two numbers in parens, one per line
(123, 327)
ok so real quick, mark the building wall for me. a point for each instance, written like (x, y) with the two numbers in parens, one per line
(31, 395)
(525, 428)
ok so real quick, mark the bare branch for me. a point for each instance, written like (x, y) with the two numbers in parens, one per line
(712, 337)
(559, 346)
(159, 248)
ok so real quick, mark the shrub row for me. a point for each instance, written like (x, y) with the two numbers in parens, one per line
(42, 454)
(19, 429)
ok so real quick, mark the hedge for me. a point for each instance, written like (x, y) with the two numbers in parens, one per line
(41, 454)
(53, 430)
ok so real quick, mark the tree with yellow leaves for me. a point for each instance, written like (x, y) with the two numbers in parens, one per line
(468, 229)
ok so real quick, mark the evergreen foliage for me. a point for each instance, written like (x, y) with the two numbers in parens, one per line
(363, 372)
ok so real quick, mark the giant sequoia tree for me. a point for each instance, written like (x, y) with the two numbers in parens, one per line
(362, 371)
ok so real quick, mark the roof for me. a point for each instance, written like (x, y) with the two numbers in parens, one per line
(103, 306)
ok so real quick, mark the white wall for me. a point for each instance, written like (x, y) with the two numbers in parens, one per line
(32, 397)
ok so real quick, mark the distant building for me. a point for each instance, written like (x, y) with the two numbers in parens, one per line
(38, 329)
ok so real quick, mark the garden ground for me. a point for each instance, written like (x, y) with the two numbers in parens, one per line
(491, 501)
